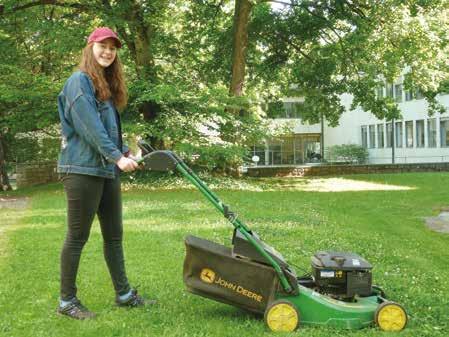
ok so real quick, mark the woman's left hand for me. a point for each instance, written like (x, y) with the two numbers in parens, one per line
(133, 157)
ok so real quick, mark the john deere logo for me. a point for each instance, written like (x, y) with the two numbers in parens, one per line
(207, 275)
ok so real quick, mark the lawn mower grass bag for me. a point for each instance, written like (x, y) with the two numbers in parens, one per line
(211, 270)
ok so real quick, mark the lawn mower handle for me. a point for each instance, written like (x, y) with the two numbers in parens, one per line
(164, 161)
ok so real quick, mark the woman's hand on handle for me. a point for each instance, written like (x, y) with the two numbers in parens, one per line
(127, 164)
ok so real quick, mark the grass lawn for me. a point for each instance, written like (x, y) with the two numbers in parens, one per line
(385, 226)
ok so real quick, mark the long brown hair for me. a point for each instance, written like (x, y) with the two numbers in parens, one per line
(108, 82)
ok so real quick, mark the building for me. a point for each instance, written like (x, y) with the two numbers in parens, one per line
(418, 137)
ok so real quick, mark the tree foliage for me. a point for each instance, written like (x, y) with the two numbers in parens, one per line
(181, 61)
(354, 47)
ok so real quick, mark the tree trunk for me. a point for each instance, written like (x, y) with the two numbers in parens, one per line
(4, 180)
(141, 52)
(145, 69)
(139, 43)
(240, 43)
(144, 59)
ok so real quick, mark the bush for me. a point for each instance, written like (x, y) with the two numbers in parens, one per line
(347, 153)
(33, 147)
(212, 157)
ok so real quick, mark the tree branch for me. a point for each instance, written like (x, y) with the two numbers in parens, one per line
(121, 29)
(295, 47)
(17, 8)
(290, 4)
(357, 9)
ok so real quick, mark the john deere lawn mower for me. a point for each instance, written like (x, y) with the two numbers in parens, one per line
(252, 275)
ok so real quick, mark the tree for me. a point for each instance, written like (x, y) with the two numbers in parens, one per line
(195, 63)
(4, 180)
(136, 22)
(242, 14)
(354, 47)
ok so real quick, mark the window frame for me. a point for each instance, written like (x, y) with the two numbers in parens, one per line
(398, 135)
(381, 136)
(364, 134)
(398, 93)
(407, 144)
(420, 133)
(445, 121)
(431, 132)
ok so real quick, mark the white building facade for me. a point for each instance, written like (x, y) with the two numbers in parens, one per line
(418, 137)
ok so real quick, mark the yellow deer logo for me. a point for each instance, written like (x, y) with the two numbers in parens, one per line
(207, 275)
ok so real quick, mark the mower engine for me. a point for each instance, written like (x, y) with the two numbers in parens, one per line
(341, 275)
(336, 274)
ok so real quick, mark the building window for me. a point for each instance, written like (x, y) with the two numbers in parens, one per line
(398, 92)
(372, 136)
(290, 150)
(390, 90)
(275, 152)
(380, 92)
(409, 133)
(364, 137)
(259, 151)
(293, 109)
(432, 132)
(444, 132)
(389, 133)
(418, 94)
(398, 134)
(408, 95)
(420, 136)
(380, 136)
(275, 109)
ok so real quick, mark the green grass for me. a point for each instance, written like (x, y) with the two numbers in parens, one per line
(386, 227)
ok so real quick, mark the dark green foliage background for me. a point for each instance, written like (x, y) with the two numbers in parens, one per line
(183, 68)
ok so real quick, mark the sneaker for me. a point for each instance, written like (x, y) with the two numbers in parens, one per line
(75, 310)
(134, 300)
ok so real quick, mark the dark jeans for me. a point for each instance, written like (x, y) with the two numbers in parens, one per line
(87, 196)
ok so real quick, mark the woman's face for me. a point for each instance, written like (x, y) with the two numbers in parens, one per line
(105, 52)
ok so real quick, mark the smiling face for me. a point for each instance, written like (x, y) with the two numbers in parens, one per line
(105, 52)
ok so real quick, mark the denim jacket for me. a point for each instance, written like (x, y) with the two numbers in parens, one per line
(89, 130)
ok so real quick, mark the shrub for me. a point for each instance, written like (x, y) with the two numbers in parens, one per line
(33, 147)
(347, 153)
(212, 157)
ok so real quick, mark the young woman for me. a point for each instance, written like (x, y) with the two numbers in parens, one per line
(92, 155)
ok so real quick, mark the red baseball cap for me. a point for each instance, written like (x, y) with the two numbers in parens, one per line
(103, 33)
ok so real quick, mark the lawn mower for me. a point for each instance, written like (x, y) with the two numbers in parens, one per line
(252, 275)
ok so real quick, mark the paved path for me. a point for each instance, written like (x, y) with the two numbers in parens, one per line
(10, 202)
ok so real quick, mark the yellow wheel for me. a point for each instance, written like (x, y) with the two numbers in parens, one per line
(390, 316)
(282, 315)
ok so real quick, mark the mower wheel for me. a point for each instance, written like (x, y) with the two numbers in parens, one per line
(281, 315)
(390, 316)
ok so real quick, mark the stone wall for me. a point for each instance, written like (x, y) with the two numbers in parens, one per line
(35, 173)
(336, 170)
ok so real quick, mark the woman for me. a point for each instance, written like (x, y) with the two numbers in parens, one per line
(89, 164)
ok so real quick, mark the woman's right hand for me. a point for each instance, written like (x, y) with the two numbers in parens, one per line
(127, 164)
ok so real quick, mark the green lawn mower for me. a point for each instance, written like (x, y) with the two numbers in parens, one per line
(252, 275)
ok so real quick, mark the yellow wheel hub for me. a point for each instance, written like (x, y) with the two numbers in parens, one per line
(391, 317)
(282, 317)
